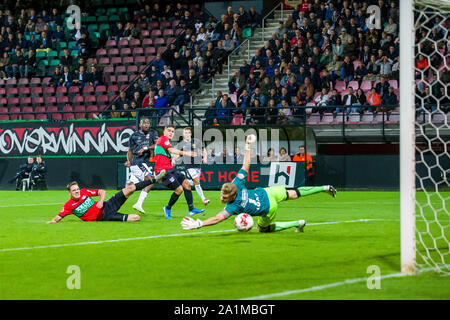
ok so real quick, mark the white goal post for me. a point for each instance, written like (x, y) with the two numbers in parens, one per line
(425, 132)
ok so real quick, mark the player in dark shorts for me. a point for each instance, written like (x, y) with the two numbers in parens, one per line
(173, 179)
(193, 164)
(84, 207)
(142, 142)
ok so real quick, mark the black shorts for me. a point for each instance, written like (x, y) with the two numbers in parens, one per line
(112, 205)
(173, 179)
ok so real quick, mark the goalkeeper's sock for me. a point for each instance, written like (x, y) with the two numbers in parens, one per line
(285, 225)
(306, 191)
(173, 198)
(189, 199)
(142, 197)
(199, 190)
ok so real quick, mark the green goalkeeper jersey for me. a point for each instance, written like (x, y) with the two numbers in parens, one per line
(254, 202)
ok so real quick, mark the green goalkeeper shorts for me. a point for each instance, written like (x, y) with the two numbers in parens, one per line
(276, 195)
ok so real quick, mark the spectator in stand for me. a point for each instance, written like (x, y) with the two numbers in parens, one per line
(349, 101)
(94, 77)
(390, 98)
(382, 87)
(385, 66)
(347, 70)
(210, 114)
(306, 91)
(373, 99)
(284, 156)
(301, 156)
(81, 78)
(186, 20)
(373, 69)
(223, 113)
(29, 65)
(149, 100)
(4, 62)
(361, 97)
(270, 157)
(123, 100)
(219, 55)
(13, 67)
(254, 19)
(161, 103)
(66, 59)
(237, 83)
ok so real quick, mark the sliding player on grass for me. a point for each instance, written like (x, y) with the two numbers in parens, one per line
(260, 202)
(84, 207)
(193, 164)
(174, 179)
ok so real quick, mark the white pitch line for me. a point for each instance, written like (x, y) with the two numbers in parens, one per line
(32, 205)
(326, 286)
(165, 236)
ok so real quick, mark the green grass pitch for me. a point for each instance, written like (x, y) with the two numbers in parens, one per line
(156, 259)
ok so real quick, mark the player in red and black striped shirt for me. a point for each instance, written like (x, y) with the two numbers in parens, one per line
(174, 179)
(84, 207)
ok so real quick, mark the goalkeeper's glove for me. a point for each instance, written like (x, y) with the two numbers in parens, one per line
(189, 223)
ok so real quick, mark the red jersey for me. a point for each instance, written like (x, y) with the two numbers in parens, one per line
(162, 155)
(85, 208)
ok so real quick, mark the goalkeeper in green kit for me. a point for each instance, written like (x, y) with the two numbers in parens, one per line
(260, 202)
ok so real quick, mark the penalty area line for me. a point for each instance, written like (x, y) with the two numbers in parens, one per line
(167, 236)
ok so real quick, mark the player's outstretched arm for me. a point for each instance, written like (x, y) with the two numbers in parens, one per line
(101, 193)
(189, 223)
(181, 152)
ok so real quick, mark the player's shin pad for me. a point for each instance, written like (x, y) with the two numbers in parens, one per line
(141, 185)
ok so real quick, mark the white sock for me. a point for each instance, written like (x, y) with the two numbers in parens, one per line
(142, 197)
(199, 190)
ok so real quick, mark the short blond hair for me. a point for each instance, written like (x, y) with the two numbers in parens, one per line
(229, 191)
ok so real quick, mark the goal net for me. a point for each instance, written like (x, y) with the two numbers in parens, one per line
(432, 134)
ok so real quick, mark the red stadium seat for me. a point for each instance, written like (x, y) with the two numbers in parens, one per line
(77, 100)
(56, 116)
(100, 89)
(366, 85)
(52, 108)
(4, 117)
(153, 25)
(122, 79)
(314, 118)
(13, 102)
(50, 101)
(132, 70)
(139, 60)
(145, 33)
(88, 90)
(102, 99)
(90, 99)
(49, 91)
(147, 42)
(35, 82)
(168, 33)
(46, 81)
(101, 53)
(125, 52)
(122, 43)
(38, 101)
(109, 44)
(120, 70)
(23, 82)
(2, 92)
(116, 60)
(138, 51)
(36, 91)
(12, 92)
(3, 102)
(24, 91)
(68, 116)
(61, 91)
(28, 116)
(11, 83)
(103, 61)
(114, 52)
(158, 42)
(165, 25)
(127, 60)
(41, 116)
(150, 51)
(25, 102)
(39, 109)
(156, 34)
(354, 84)
(108, 70)
(134, 43)
(62, 101)
(340, 86)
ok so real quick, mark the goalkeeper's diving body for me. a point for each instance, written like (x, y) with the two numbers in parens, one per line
(260, 202)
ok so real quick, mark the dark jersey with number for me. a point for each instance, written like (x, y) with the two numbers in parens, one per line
(139, 140)
(194, 145)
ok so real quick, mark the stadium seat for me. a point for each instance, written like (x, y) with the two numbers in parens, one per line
(11, 83)
(340, 86)
(14, 113)
(116, 60)
(103, 61)
(393, 84)
(394, 117)
(366, 85)
(147, 42)
(38, 101)
(139, 60)
(353, 118)
(90, 115)
(28, 116)
(161, 49)
(354, 84)
(36, 91)
(4, 117)
(314, 118)
(378, 118)
(122, 79)
(149, 59)
(132, 69)
(150, 51)
(61, 91)
(438, 117)
(122, 43)
(88, 90)
(23, 82)
(35, 82)
(165, 25)
(138, 51)
(120, 70)
(50, 101)
(41, 116)
(62, 101)
(127, 61)
(2, 92)
(13, 102)
(125, 52)
(153, 25)
(327, 118)
(25, 102)
(68, 116)
(77, 100)
(12, 92)
(73, 90)
(339, 119)
(102, 99)
(39, 109)
(113, 52)
(24, 91)
(52, 108)
(90, 99)
(49, 91)
(100, 89)
(134, 43)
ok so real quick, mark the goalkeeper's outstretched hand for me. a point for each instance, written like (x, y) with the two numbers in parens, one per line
(189, 223)
(251, 139)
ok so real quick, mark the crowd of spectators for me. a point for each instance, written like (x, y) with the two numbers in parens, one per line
(319, 57)
(198, 54)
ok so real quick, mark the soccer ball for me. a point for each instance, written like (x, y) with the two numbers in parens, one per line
(243, 222)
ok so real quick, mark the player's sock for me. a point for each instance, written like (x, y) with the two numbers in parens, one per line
(142, 197)
(173, 198)
(306, 191)
(285, 225)
(199, 190)
(141, 185)
(189, 199)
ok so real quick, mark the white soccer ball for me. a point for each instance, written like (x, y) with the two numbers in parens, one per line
(243, 222)
(251, 138)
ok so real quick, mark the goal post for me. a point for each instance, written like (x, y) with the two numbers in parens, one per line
(407, 139)
(424, 135)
